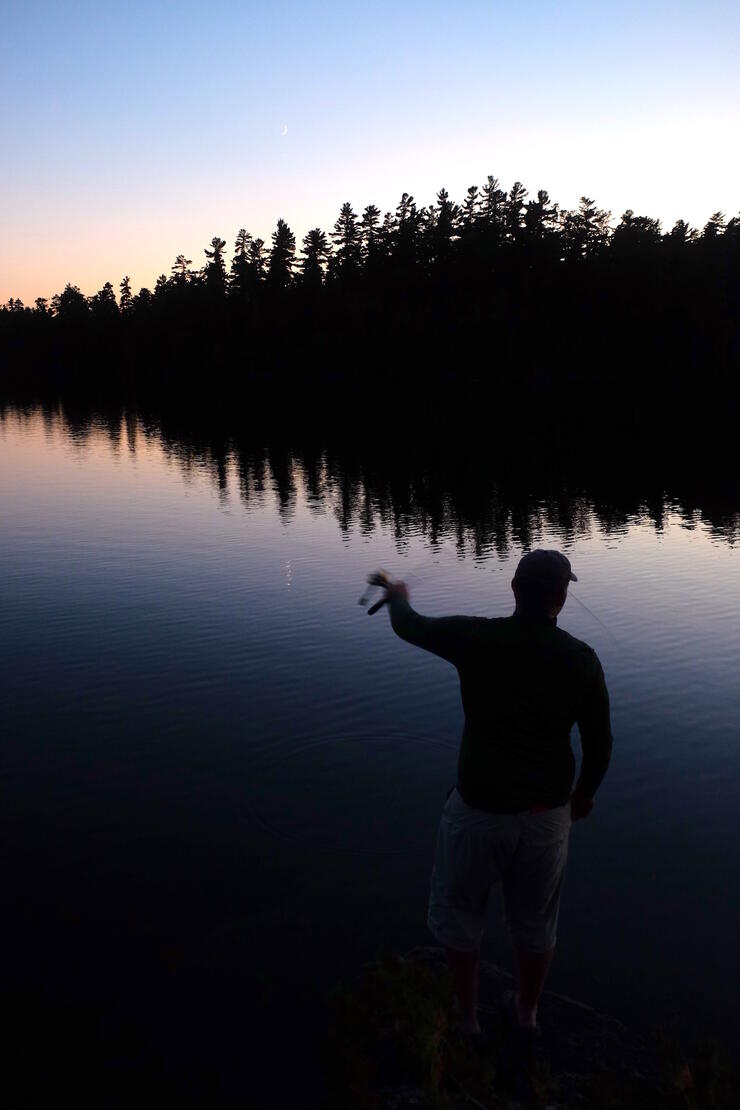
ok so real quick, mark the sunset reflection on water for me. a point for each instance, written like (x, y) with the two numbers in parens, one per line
(207, 741)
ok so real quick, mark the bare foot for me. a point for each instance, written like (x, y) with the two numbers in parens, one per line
(527, 1018)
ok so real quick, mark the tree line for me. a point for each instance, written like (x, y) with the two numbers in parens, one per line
(501, 288)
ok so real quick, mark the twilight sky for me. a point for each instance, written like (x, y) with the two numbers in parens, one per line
(133, 131)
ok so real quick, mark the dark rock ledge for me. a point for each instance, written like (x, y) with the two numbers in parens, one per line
(394, 1046)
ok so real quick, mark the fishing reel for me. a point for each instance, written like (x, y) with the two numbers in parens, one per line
(379, 579)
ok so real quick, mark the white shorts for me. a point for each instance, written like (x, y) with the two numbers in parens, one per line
(526, 852)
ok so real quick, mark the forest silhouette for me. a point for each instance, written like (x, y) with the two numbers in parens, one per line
(501, 295)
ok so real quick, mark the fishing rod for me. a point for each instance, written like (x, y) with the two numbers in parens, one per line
(378, 579)
(381, 579)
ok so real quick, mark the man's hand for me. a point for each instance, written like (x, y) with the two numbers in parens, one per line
(396, 589)
(580, 805)
(392, 589)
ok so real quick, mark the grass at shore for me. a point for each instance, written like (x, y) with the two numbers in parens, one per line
(392, 1043)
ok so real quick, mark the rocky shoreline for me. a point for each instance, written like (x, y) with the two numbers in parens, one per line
(394, 1047)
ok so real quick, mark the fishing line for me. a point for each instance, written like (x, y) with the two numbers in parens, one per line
(592, 614)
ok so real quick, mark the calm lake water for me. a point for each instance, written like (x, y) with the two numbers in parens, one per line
(221, 782)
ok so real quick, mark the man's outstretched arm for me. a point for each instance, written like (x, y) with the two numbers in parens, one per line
(448, 637)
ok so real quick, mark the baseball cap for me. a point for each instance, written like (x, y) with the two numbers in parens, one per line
(545, 566)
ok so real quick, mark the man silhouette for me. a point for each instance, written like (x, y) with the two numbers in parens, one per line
(524, 684)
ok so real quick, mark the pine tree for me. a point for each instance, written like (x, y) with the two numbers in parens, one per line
(448, 215)
(681, 232)
(142, 300)
(126, 300)
(387, 237)
(406, 233)
(513, 208)
(347, 241)
(241, 244)
(316, 252)
(244, 275)
(731, 234)
(442, 227)
(369, 231)
(280, 271)
(492, 203)
(215, 269)
(70, 304)
(256, 255)
(470, 208)
(635, 233)
(714, 226)
(181, 269)
(585, 232)
(540, 216)
(105, 298)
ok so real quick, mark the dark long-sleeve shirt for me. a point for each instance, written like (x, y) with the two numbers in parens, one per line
(524, 684)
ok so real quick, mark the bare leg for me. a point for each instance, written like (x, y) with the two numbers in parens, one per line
(464, 968)
(533, 968)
